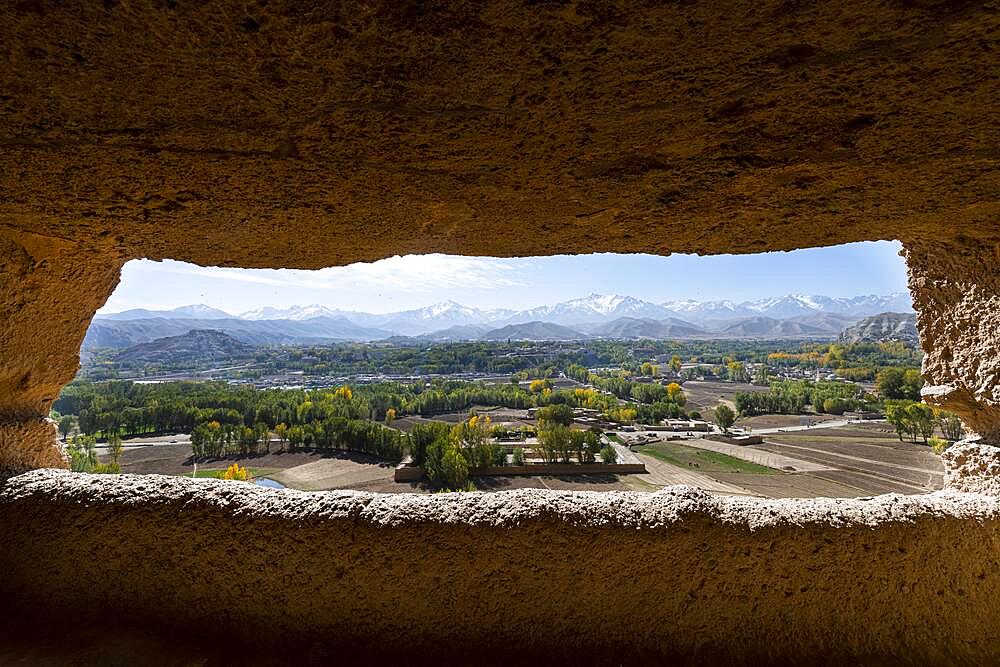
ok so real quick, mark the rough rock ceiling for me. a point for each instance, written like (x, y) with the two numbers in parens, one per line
(309, 134)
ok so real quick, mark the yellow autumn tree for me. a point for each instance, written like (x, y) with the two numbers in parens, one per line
(675, 364)
(538, 386)
(237, 473)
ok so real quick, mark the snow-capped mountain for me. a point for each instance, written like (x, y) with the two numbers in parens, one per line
(433, 318)
(705, 310)
(607, 316)
(202, 312)
(792, 305)
(596, 308)
(297, 313)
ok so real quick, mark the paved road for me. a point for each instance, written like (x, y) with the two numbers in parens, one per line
(759, 456)
(625, 455)
(836, 423)
(662, 473)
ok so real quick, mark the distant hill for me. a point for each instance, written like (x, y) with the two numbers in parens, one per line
(457, 332)
(191, 347)
(883, 327)
(108, 333)
(768, 327)
(533, 331)
(830, 322)
(644, 327)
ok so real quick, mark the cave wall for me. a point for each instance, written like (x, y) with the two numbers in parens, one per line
(578, 577)
(277, 134)
(287, 135)
(956, 291)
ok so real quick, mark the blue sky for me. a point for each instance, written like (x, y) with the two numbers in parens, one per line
(400, 283)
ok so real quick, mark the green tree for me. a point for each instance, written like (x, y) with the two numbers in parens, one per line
(518, 457)
(835, 406)
(66, 424)
(922, 420)
(82, 453)
(899, 384)
(896, 414)
(421, 438)
(724, 417)
(938, 444)
(951, 425)
(445, 465)
(281, 430)
(737, 372)
(456, 469)
(115, 448)
(558, 413)
(554, 443)
(296, 437)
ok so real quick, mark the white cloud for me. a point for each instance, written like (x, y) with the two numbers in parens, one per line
(423, 273)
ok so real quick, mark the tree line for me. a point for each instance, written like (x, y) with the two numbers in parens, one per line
(448, 453)
(790, 397)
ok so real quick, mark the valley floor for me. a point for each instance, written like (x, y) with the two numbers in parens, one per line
(851, 460)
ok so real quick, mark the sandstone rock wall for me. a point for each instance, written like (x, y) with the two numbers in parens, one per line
(286, 135)
(576, 576)
(273, 134)
(956, 292)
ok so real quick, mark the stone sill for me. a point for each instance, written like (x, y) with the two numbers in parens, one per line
(660, 510)
(529, 570)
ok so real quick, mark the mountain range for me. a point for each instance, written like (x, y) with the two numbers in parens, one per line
(594, 316)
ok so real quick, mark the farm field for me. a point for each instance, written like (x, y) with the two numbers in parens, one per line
(703, 395)
(864, 457)
(704, 460)
(859, 460)
(782, 421)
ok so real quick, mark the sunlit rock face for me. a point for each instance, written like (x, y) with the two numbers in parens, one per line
(309, 134)
(701, 579)
(284, 134)
(972, 468)
(956, 291)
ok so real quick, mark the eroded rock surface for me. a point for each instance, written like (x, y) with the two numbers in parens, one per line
(49, 291)
(287, 135)
(972, 468)
(274, 135)
(699, 578)
(956, 292)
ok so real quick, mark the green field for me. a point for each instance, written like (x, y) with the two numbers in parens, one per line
(683, 456)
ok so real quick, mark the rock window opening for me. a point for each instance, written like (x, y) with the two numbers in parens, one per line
(493, 374)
